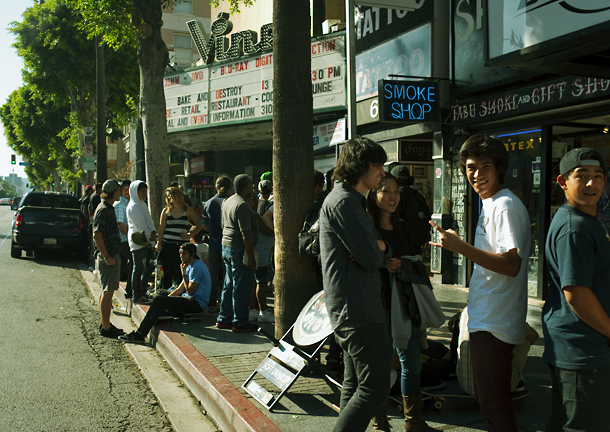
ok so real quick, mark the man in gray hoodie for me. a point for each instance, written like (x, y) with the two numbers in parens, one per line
(139, 219)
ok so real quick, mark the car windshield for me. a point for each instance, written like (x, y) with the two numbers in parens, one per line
(52, 201)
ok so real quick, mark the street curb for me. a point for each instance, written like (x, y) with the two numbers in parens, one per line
(229, 408)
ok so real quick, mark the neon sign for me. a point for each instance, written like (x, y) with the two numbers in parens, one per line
(218, 47)
(409, 101)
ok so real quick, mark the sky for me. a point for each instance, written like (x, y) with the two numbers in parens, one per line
(11, 80)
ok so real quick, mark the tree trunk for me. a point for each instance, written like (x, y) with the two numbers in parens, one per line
(295, 280)
(153, 57)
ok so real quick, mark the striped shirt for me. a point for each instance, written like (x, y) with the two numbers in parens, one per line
(174, 227)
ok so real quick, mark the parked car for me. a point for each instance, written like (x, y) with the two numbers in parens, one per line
(5, 201)
(15, 203)
(49, 220)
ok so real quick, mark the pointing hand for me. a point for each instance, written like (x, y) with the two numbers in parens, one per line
(448, 239)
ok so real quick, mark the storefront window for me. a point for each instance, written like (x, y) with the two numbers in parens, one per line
(523, 179)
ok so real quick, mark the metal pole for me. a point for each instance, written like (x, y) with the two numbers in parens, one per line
(100, 95)
(350, 42)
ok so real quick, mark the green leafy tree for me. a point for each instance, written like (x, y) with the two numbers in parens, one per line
(7, 190)
(139, 22)
(33, 125)
(59, 61)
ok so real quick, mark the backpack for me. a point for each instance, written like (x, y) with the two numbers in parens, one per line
(309, 237)
(417, 213)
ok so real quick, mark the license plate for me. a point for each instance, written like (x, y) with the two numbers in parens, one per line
(50, 241)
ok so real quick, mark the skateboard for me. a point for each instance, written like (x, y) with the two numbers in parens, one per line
(435, 401)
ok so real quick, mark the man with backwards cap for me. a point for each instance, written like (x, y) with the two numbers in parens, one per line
(107, 247)
(575, 316)
(192, 296)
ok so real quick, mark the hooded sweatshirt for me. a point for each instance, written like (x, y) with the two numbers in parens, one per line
(138, 216)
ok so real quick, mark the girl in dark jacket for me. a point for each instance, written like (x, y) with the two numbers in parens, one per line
(383, 203)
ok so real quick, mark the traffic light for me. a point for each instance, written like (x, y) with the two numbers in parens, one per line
(13, 159)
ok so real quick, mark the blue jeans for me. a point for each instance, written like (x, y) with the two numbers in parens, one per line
(410, 368)
(366, 380)
(237, 288)
(214, 263)
(142, 269)
(579, 400)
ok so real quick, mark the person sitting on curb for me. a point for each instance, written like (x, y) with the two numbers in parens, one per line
(192, 296)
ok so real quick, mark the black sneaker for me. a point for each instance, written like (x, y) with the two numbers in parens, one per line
(113, 328)
(133, 337)
(246, 328)
(112, 332)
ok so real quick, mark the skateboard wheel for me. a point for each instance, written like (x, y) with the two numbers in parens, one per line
(438, 405)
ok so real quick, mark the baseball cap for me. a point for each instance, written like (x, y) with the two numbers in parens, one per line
(88, 187)
(579, 157)
(110, 186)
(125, 183)
(402, 174)
(265, 186)
(189, 247)
(267, 176)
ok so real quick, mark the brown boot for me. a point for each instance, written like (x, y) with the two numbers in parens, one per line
(413, 420)
(380, 422)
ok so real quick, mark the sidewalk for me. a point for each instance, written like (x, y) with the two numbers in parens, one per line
(215, 363)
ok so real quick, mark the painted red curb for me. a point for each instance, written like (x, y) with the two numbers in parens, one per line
(229, 407)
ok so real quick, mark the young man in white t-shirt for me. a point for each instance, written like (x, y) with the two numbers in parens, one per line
(497, 299)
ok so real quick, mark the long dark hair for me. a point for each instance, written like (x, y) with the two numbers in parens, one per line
(355, 159)
(373, 210)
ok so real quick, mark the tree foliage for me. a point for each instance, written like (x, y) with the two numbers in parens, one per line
(33, 125)
(59, 58)
(234, 5)
(121, 23)
(7, 190)
(59, 72)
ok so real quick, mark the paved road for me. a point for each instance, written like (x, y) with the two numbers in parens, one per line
(56, 372)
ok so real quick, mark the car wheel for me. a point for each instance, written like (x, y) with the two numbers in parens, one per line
(15, 253)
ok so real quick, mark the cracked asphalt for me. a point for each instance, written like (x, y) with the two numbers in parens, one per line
(56, 372)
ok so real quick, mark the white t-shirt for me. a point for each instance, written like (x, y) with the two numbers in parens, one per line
(498, 303)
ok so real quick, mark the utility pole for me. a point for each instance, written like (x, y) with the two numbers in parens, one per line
(100, 96)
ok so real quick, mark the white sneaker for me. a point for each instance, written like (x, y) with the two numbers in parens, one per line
(253, 315)
(266, 316)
